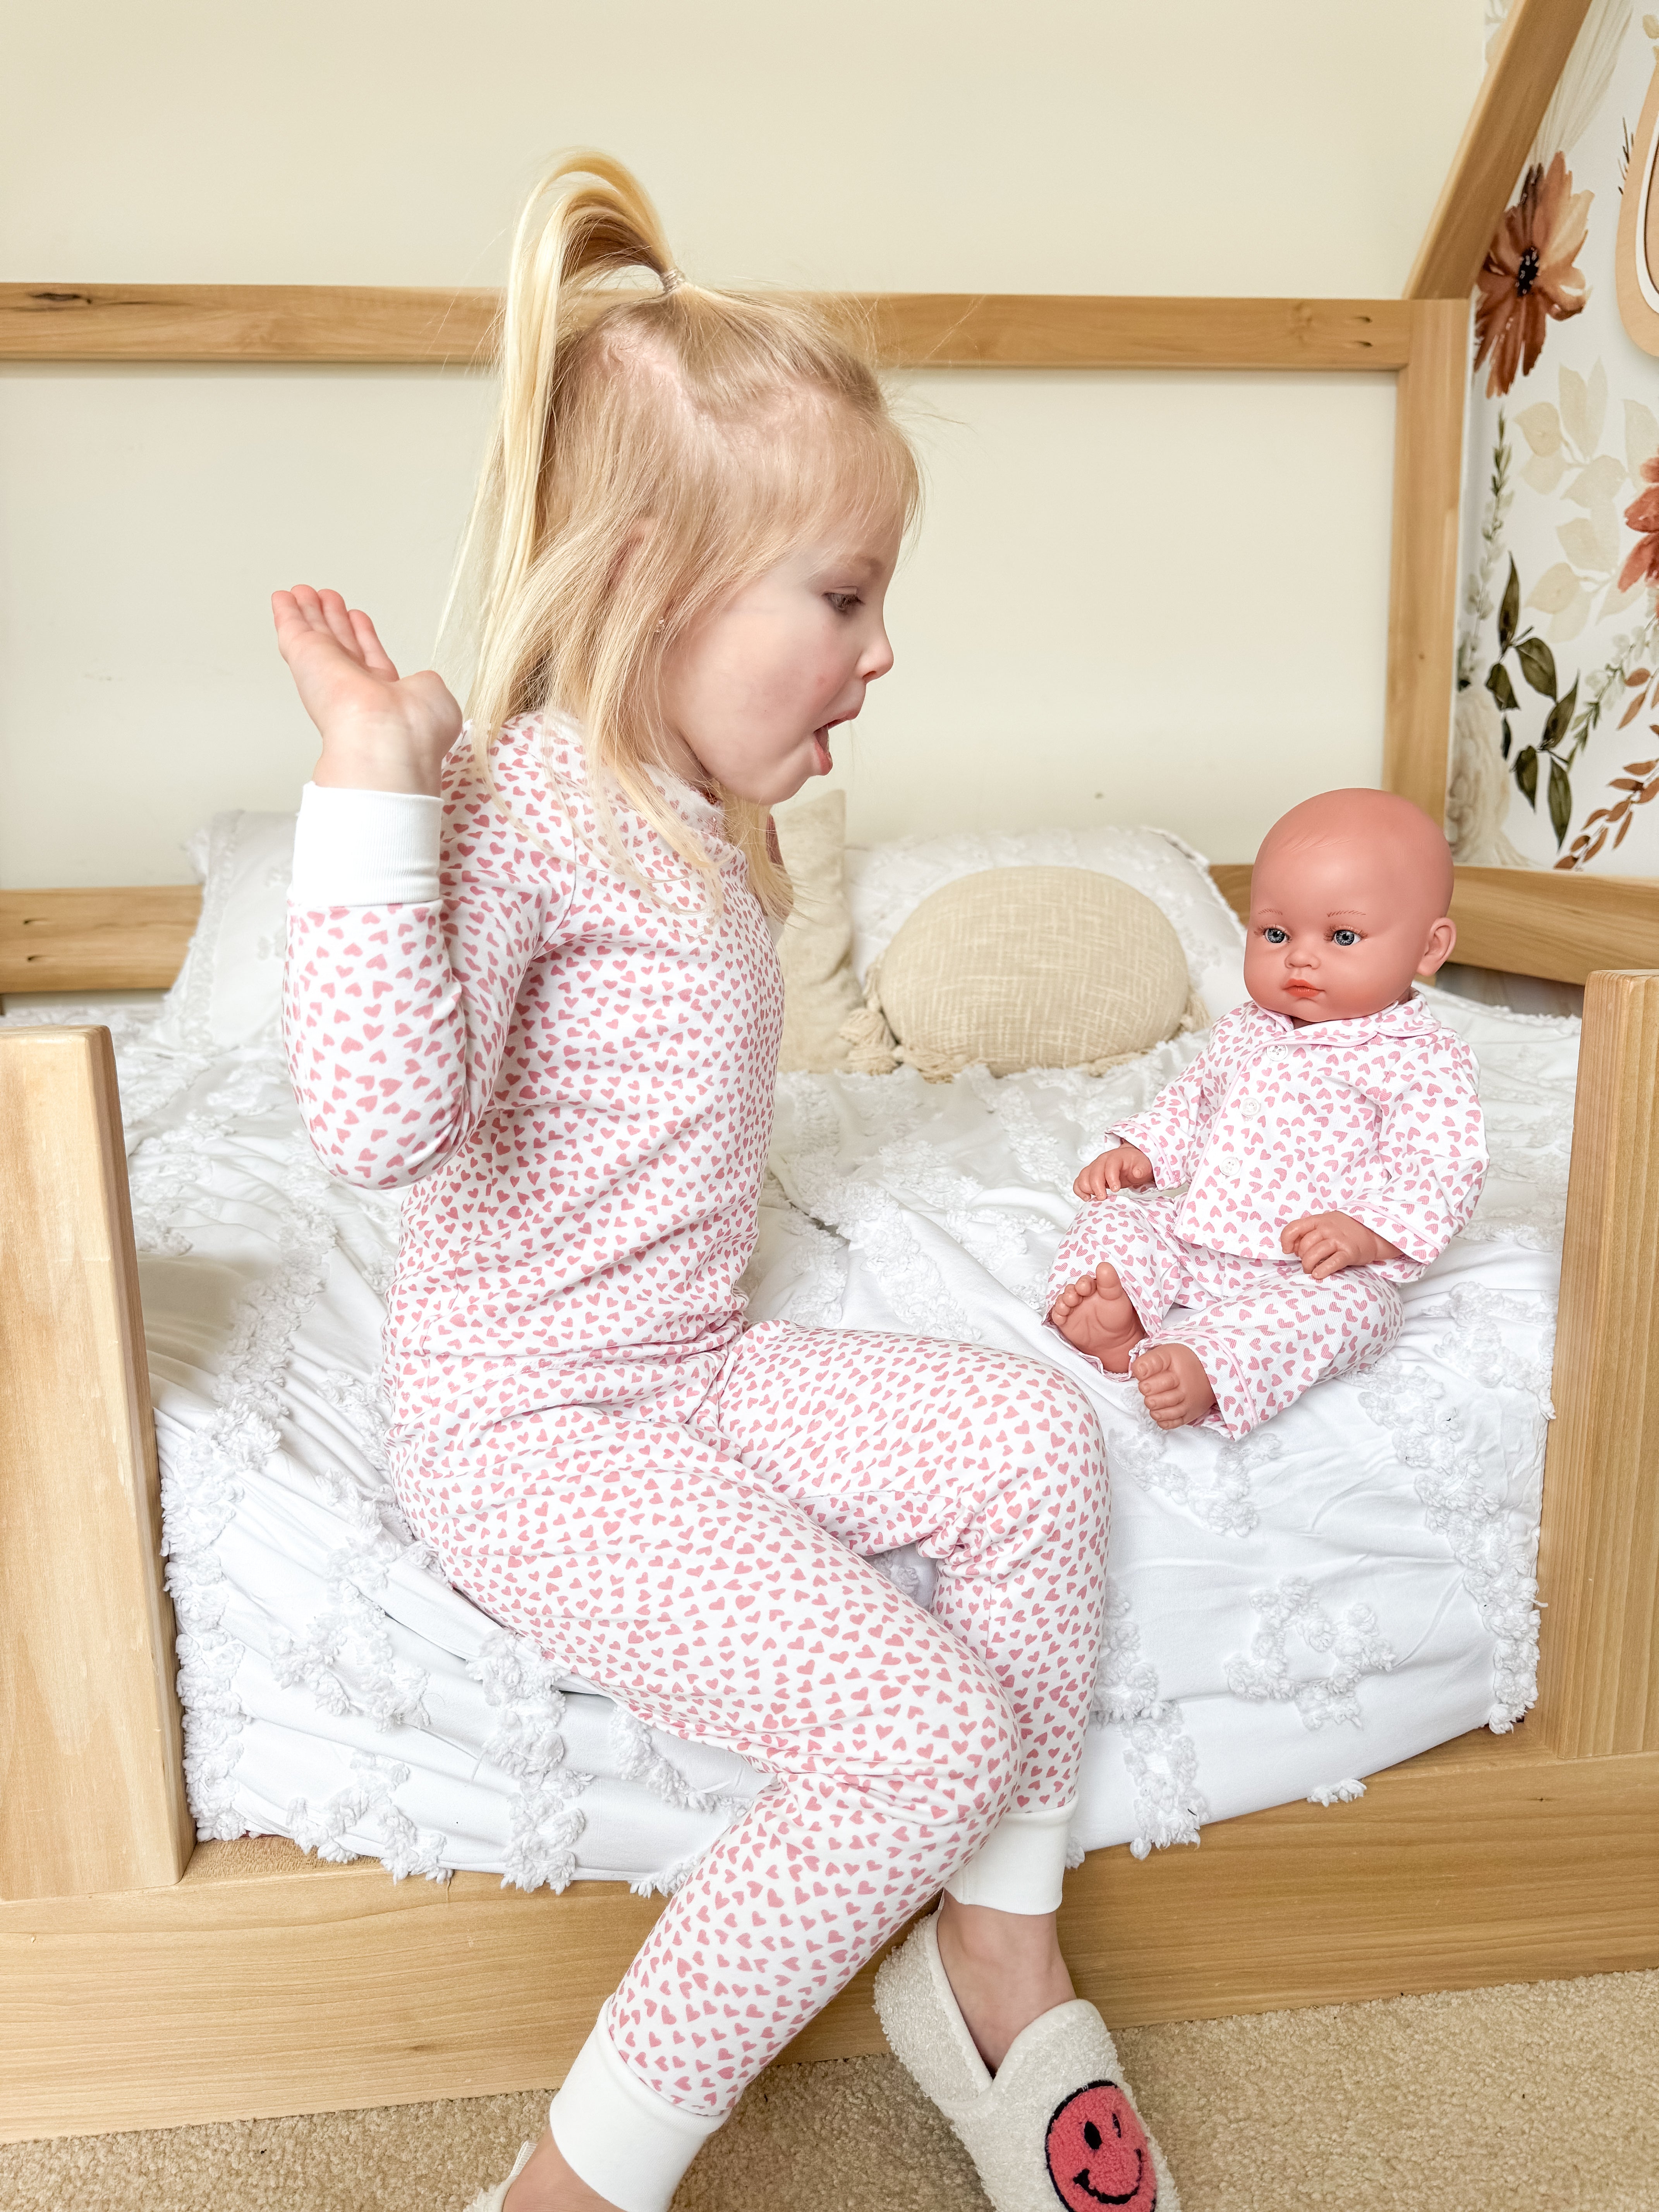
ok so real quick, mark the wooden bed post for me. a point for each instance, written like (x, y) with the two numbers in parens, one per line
(1428, 482)
(92, 1792)
(1599, 1546)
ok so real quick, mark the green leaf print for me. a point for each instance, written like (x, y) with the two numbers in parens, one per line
(1560, 801)
(1559, 717)
(1501, 689)
(1508, 614)
(1537, 665)
(1526, 774)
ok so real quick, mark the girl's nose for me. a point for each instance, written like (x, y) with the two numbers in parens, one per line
(877, 658)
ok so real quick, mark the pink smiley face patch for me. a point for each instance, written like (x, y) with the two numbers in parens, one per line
(1097, 2152)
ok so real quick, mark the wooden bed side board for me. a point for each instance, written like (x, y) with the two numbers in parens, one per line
(265, 1984)
(92, 1791)
(118, 940)
(1523, 920)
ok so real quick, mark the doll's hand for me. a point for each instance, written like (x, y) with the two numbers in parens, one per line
(1126, 1167)
(381, 731)
(1326, 1242)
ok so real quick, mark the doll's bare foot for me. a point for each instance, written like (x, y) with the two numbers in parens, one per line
(1095, 1314)
(1173, 1385)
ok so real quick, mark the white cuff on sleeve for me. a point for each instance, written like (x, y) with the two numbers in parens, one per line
(365, 848)
(1020, 1865)
(619, 2136)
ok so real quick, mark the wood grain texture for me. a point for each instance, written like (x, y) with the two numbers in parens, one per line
(96, 940)
(1528, 921)
(1058, 331)
(940, 329)
(1598, 1549)
(1565, 925)
(91, 1793)
(1531, 52)
(1423, 570)
(244, 323)
(273, 1984)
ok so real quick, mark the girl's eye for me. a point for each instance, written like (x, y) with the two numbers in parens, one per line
(1345, 937)
(1277, 936)
(843, 601)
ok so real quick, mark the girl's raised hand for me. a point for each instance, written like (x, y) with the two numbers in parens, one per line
(381, 731)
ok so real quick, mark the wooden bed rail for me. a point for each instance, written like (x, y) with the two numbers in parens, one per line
(1599, 1552)
(1489, 1860)
(92, 1791)
(1528, 921)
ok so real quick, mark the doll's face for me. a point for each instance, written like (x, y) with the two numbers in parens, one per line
(1338, 927)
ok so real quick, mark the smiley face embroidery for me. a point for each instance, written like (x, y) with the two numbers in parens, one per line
(1097, 2152)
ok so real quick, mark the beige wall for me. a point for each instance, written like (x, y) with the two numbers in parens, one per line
(1166, 591)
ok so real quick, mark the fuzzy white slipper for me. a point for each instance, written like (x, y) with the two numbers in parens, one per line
(491, 2200)
(1054, 2125)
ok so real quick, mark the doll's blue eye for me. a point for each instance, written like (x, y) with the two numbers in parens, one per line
(1277, 936)
(1345, 937)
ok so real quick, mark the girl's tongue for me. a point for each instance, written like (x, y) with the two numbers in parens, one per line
(821, 748)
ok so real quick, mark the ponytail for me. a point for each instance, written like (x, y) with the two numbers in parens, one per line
(625, 493)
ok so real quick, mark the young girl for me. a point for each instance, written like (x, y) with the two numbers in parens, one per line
(530, 975)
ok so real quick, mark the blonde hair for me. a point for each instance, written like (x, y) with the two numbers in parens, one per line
(655, 452)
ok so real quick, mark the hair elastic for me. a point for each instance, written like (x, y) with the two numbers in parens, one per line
(672, 281)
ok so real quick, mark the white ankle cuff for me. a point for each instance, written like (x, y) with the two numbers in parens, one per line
(1020, 1866)
(620, 2137)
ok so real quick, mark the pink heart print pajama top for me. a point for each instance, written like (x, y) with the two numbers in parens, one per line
(568, 1060)
(1378, 1118)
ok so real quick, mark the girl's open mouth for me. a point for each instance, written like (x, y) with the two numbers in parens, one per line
(821, 741)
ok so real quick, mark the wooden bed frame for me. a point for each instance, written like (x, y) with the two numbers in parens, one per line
(146, 1980)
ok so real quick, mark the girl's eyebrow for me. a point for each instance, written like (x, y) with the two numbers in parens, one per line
(1331, 912)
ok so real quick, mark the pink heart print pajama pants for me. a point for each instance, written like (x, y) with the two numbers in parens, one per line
(695, 1554)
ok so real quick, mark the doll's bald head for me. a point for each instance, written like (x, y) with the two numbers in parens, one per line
(1348, 902)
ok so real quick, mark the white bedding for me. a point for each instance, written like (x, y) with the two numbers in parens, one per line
(1346, 1588)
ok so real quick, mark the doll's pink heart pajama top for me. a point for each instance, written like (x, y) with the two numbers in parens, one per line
(569, 1061)
(1378, 1118)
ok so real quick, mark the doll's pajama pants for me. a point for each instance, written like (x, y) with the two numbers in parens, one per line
(694, 1551)
(1262, 1329)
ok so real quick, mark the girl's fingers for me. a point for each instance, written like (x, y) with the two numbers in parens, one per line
(310, 606)
(375, 654)
(339, 623)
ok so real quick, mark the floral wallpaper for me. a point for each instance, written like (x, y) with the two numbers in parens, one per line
(1555, 745)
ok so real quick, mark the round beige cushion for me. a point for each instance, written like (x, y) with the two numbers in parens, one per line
(1025, 968)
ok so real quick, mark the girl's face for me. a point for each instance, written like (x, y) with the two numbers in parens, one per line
(753, 693)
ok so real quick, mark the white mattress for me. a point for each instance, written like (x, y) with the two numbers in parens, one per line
(1348, 1587)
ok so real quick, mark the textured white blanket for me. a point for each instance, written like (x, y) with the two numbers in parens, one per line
(1346, 1588)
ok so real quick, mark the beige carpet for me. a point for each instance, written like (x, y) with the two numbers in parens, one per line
(1543, 2098)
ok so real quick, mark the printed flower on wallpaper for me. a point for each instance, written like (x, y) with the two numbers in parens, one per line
(1565, 438)
(1530, 275)
(1555, 740)
(1546, 715)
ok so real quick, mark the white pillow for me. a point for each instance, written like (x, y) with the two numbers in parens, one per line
(229, 991)
(885, 885)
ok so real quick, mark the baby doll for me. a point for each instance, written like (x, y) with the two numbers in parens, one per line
(1326, 1146)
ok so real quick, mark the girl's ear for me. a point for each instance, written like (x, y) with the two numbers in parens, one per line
(1443, 936)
